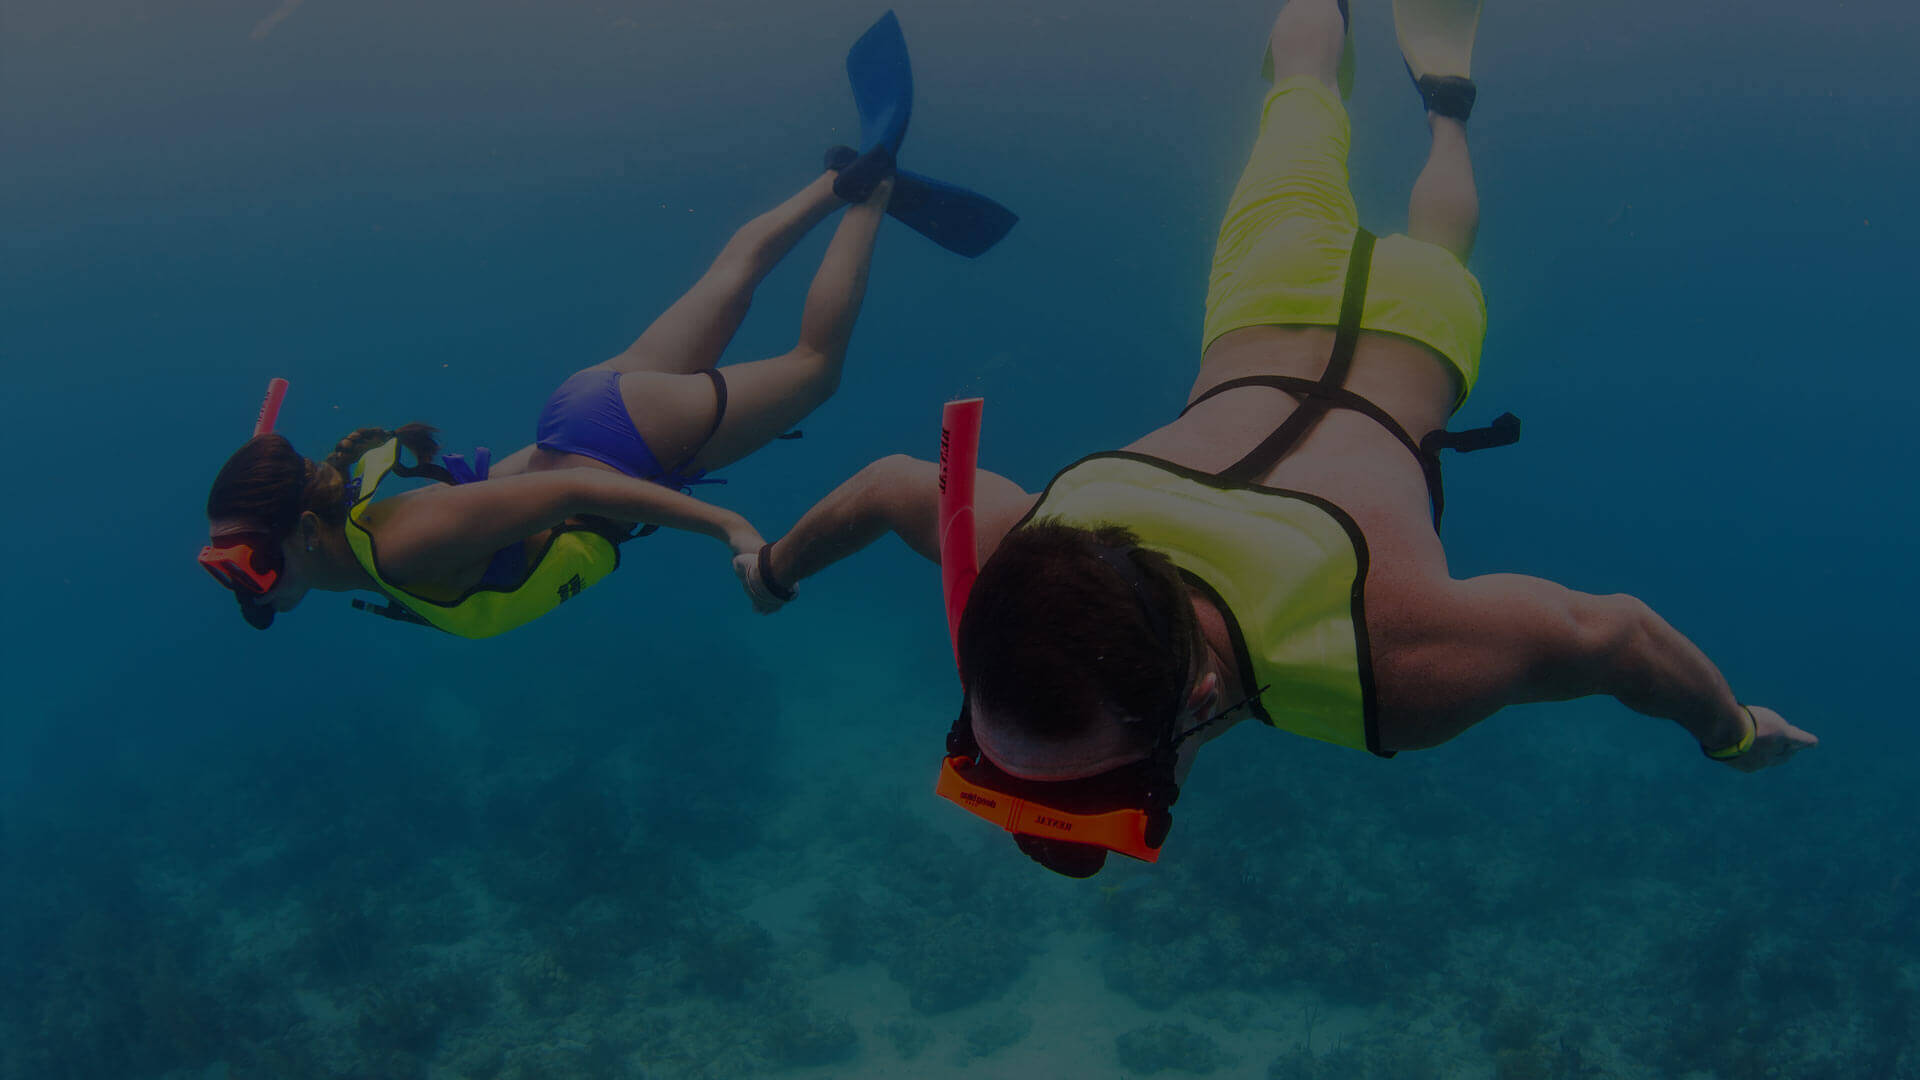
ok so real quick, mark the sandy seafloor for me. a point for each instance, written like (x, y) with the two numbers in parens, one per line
(656, 836)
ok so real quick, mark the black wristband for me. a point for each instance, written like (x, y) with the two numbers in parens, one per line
(766, 576)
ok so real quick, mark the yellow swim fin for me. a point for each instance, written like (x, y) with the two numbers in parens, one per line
(1344, 77)
(1436, 38)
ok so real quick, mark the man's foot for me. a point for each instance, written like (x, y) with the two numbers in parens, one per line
(1343, 77)
(1450, 96)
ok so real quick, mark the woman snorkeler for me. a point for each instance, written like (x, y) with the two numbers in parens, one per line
(618, 445)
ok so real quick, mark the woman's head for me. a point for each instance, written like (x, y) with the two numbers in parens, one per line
(274, 517)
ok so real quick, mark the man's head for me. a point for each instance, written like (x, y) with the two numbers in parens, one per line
(1080, 655)
(1062, 653)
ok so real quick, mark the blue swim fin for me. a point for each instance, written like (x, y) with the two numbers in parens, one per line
(959, 220)
(964, 222)
(882, 79)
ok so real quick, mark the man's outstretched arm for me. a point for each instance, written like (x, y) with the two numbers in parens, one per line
(1476, 646)
(897, 494)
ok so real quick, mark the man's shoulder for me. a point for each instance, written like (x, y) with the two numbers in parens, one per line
(1407, 605)
(999, 515)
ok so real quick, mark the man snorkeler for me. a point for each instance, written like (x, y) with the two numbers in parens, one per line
(1273, 551)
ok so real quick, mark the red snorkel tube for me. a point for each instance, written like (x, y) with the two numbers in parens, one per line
(270, 407)
(959, 560)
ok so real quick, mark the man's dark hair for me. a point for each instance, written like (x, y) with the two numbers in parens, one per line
(1052, 633)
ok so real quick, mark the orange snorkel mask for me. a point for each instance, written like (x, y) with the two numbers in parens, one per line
(250, 563)
(1068, 826)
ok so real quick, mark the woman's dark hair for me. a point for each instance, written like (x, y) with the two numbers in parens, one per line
(1052, 633)
(267, 482)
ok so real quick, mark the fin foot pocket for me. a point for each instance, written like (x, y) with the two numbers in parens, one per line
(1446, 95)
(861, 175)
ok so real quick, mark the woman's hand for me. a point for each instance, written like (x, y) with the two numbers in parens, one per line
(750, 568)
(1774, 741)
(743, 538)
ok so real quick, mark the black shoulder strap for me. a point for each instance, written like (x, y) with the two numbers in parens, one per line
(393, 609)
(1504, 431)
(1352, 300)
(424, 469)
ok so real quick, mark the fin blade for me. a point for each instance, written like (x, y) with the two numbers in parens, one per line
(964, 222)
(1436, 36)
(882, 79)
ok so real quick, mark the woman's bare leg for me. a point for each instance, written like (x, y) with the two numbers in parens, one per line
(765, 397)
(1445, 206)
(691, 335)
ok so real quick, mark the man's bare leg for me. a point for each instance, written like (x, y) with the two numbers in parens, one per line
(691, 335)
(1436, 38)
(1445, 206)
(1306, 40)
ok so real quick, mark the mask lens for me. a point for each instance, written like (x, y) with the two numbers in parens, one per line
(220, 571)
(247, 563)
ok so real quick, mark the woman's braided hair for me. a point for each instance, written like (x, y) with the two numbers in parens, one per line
(267, 482)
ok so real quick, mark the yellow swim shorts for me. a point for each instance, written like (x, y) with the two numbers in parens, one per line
(1282, 255)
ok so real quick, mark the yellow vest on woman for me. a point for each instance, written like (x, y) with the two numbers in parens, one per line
(573, 559)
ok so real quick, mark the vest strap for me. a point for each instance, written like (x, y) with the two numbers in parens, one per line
(1277, 445)
(1319, 396)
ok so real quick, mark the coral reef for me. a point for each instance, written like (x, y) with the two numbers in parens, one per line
(995, 1033)
(1175, 1047)
(909, 1038)
(794, 1038)
(576, 892)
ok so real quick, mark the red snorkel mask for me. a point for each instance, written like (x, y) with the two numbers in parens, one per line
(250, 563)
(1067, 826)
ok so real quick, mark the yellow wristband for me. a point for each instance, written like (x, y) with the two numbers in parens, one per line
(1728, 753)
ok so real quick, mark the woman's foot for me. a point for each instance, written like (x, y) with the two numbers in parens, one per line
(859, 174)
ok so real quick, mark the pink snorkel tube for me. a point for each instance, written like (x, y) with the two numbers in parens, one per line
(959, 561)
(270, 407)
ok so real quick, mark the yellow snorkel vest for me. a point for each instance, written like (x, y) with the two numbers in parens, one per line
(1286, 569)
(573, 559)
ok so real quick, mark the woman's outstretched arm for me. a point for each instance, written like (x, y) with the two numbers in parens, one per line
(430, 530)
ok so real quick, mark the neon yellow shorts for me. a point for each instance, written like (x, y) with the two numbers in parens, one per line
(1282, 255)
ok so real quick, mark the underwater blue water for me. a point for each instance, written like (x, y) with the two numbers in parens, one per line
(662, 836)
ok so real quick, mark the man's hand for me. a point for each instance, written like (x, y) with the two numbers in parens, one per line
(746, 567)
(1774, 741)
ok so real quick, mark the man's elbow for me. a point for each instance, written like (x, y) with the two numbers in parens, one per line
(895, 480)
(895, 466)
(1606, 635)
(902, 495)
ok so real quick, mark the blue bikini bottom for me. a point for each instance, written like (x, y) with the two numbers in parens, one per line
(587, 416)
